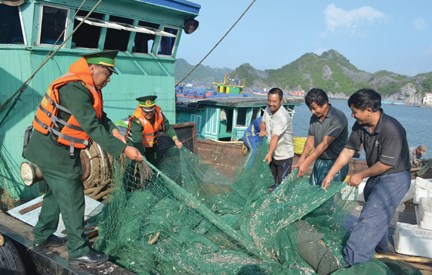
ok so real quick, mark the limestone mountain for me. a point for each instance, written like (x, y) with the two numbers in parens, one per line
(330, 71)
(201, 74)
(334, 73)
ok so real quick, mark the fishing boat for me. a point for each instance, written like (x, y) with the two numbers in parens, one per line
(230, 86)
(225, 118)
(147, 33)
(38, 42)
(227, 88)
(221, 123)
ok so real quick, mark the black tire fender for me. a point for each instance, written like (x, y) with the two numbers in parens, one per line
(10, 259)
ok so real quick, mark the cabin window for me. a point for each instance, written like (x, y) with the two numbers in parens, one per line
(144, 40)
(229, 119)
(117, 39)
(167, 41)
(241, 117)
(256, 112)
(53, 25)
(10, 25)
(87, 36)
(118, 33)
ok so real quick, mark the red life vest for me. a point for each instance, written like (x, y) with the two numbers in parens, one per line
(149, 132)
(68, 132)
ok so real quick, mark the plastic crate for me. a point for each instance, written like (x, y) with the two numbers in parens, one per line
(410, 239)
(424, 213)
(423, 189)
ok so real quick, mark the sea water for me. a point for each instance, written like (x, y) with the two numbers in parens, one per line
(417, 121)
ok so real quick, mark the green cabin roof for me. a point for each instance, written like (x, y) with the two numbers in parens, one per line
(234, 102)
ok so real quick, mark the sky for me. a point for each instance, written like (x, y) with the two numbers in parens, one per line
(392, 35)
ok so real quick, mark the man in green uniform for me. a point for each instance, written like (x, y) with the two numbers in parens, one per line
(68, 118)
(143, 128)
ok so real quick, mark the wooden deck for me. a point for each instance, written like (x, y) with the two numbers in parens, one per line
(226, 156)
(50, 260)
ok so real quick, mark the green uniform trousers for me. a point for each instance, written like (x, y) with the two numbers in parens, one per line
(65, 196)
(152, 155)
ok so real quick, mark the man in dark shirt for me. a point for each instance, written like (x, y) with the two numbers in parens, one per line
(385, 143)
(327, 136)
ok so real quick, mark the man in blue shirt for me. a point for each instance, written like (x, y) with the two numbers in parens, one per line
(251, 140)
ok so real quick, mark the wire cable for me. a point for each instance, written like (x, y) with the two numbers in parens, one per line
(23, 87)
(217, 44)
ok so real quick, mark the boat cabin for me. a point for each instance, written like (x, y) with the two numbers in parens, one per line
(40, 39)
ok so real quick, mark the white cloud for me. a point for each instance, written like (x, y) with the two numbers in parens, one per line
(338, 20)
(420, 24)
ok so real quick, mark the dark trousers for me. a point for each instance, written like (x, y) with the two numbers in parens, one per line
(383, 195)
(65, 196)
(321, 169)
(152, 155)
(280, 169)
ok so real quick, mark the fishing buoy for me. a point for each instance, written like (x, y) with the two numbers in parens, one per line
(30, 173)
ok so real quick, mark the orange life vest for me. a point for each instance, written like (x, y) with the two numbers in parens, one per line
(68, 132)
(149, 132)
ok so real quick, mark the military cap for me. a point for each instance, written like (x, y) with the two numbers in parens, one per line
(105, 58)
(147, 103)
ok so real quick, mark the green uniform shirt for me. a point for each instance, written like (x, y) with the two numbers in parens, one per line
(45, 152)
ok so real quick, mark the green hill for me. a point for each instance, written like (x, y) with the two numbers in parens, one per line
(201, 74)
(330, 71)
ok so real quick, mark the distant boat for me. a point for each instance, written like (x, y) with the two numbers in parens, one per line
(299, 92)
(227, 88)
(225, 118)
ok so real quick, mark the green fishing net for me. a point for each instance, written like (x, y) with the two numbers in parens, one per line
(185, 217)
(11, 187)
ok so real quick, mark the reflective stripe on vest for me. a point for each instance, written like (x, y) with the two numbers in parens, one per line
(68, 132)
(149, 132)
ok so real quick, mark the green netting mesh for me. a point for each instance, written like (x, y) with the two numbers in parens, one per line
(11, 186)
(187, 218)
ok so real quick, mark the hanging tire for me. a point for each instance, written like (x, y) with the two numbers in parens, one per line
(10, 259)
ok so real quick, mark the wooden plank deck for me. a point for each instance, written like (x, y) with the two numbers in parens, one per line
(50, 260)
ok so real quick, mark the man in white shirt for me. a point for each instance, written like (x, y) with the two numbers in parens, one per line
(276, 124)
